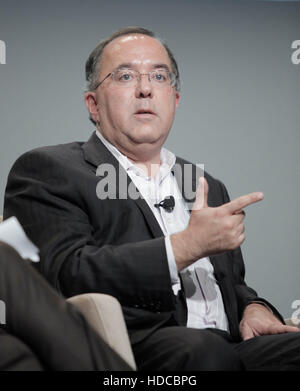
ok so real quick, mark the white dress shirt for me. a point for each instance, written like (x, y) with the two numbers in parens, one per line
(203, 296)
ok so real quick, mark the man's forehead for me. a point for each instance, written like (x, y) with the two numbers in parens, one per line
(132, 40)
(135, 48)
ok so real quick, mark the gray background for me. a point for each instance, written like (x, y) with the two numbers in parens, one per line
(239, 113)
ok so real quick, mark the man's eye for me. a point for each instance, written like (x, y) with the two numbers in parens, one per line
(160, 76)
(125, 76)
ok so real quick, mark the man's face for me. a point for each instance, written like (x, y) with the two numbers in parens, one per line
(118, 110)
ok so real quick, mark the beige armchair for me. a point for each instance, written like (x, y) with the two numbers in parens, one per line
(104, 314)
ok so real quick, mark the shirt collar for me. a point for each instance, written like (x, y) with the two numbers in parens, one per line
(167, 159)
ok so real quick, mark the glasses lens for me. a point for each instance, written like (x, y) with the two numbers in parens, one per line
(161, 77)
(125, 76)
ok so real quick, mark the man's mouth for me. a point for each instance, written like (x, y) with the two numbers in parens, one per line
(144, 112)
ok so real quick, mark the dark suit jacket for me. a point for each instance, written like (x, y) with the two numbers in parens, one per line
(112, 246)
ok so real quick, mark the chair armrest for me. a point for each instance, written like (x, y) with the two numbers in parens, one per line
(104, 314)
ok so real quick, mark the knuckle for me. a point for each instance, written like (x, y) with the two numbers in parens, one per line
(241, 239)
(220, 212)
(233, 242)
(247, 200)
(228, 224)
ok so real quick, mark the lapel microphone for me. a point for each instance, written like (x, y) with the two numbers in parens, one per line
(168, 204)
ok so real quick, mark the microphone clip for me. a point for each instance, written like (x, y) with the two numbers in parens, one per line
(168, 204)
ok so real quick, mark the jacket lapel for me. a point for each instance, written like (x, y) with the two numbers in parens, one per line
(96, 153)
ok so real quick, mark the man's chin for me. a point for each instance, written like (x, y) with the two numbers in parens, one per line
(144, 137)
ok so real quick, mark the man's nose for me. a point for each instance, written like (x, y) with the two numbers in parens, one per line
(144, 87)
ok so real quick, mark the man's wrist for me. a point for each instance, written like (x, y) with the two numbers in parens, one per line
(263, 304)
(255, 306)
(182, 250)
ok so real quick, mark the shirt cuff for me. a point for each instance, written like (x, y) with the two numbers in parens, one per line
(171, 262)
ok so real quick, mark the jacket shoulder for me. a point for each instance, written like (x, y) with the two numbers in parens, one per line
(55, 155)
(53, 151)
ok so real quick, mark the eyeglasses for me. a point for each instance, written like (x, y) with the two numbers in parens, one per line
(130, 77)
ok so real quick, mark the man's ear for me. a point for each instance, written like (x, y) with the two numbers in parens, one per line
(90, 99)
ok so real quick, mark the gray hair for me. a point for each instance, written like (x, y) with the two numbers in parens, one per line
(92, 66)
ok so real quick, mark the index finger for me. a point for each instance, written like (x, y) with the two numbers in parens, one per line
(241, 202)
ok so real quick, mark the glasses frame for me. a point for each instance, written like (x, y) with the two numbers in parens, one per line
(172, 76)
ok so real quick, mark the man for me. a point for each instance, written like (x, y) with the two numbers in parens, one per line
(41, 330)
(178, 276)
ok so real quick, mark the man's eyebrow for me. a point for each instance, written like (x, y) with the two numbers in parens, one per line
(161, 66)
(129, 65)
(125, 65)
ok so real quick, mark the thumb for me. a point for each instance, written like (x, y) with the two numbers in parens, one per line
(201, 194)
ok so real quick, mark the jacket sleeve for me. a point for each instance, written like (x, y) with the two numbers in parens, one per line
(41, 194)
